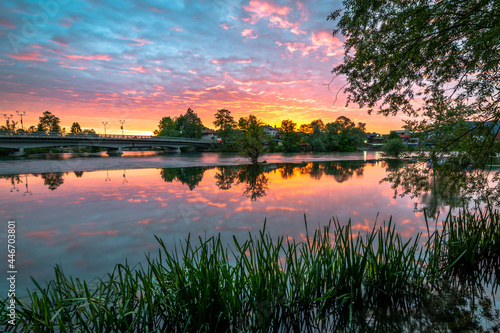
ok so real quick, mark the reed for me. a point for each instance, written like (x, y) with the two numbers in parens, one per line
(332, 279)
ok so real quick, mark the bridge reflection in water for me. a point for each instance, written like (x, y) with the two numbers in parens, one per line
(18, 141)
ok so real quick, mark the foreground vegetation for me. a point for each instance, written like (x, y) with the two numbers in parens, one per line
(335, 279)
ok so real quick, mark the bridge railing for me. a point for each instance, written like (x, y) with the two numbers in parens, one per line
(94, 136)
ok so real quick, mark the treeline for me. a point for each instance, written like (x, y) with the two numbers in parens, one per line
(48, 122)
(341, 135)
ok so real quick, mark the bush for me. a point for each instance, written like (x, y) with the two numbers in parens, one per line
(393, 148)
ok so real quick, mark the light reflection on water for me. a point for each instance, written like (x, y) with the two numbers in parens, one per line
(89, 221)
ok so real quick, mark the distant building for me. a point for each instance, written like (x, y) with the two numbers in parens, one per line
(208, 134)
(375, 140)
(404, 135)
(269, 130)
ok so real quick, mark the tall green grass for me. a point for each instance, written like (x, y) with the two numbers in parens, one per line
(331, 279)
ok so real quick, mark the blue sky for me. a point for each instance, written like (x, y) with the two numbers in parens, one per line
(93, 61)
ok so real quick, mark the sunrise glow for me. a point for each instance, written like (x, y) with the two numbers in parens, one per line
(95, 62)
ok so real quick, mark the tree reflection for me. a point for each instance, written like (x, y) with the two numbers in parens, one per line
(53, 179)
(256, 183)
(251, 176)
(341, 171)
(432, 194)
(187, 176)
(225, 177)
(287, 171)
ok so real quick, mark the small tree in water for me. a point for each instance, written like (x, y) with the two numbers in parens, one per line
(393, 147)
(251, 143)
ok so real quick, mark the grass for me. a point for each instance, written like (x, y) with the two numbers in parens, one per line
(335, 279)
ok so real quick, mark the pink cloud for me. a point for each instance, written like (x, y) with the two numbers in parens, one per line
(46, 235)
(91, 57)
(249, 33)
(323, 41)
(276, 15)
(228, 60)
(226, 26)
(109, 232)
(263, 9)
(139, 69)
(179, 29)
(29, 56)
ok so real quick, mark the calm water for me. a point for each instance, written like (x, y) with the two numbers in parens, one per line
(88, 221)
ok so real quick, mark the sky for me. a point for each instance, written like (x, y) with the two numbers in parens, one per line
(98, 61)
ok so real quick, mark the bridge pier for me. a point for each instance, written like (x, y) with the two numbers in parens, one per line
(17, 152)
(114, 151)
(178, 150)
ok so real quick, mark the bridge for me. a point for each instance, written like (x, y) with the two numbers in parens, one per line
(18, 141)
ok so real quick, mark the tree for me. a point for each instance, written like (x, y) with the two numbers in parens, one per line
(75, 128)
(48, 123)
(442, 54)
(189, 125)
(167, 127)
(226, 131)
(89, 131)
(344, 135)
(252, 142)
(393, 147)
(290, 138)
(393, 135)
(288, 126)
(10, 125)
(223, 119)
(317, 139)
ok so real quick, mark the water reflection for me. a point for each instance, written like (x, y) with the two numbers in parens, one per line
(433, 194)
(88, 224)
(187, 176)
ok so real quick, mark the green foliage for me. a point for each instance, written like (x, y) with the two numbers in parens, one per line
(444, 54)
(226, 130)
(48, 123)
(167, 127)
(393, 147)
(393, 135)
(344, 135)
(335, 279)
(251, 143)
(290, 138)
(187, 125)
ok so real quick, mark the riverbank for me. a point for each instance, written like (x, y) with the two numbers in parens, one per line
(68, 162)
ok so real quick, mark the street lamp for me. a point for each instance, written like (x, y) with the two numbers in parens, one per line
(8, 117)
(27, 189)
(122, 122)
(21, 114)
(104, 123)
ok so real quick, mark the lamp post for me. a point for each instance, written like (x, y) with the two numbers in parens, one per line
(27, 189)
(122, 122)
(104, 123)
(8, 117)
(21, 114)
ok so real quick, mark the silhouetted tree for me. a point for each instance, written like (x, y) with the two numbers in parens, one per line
(49, 123)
